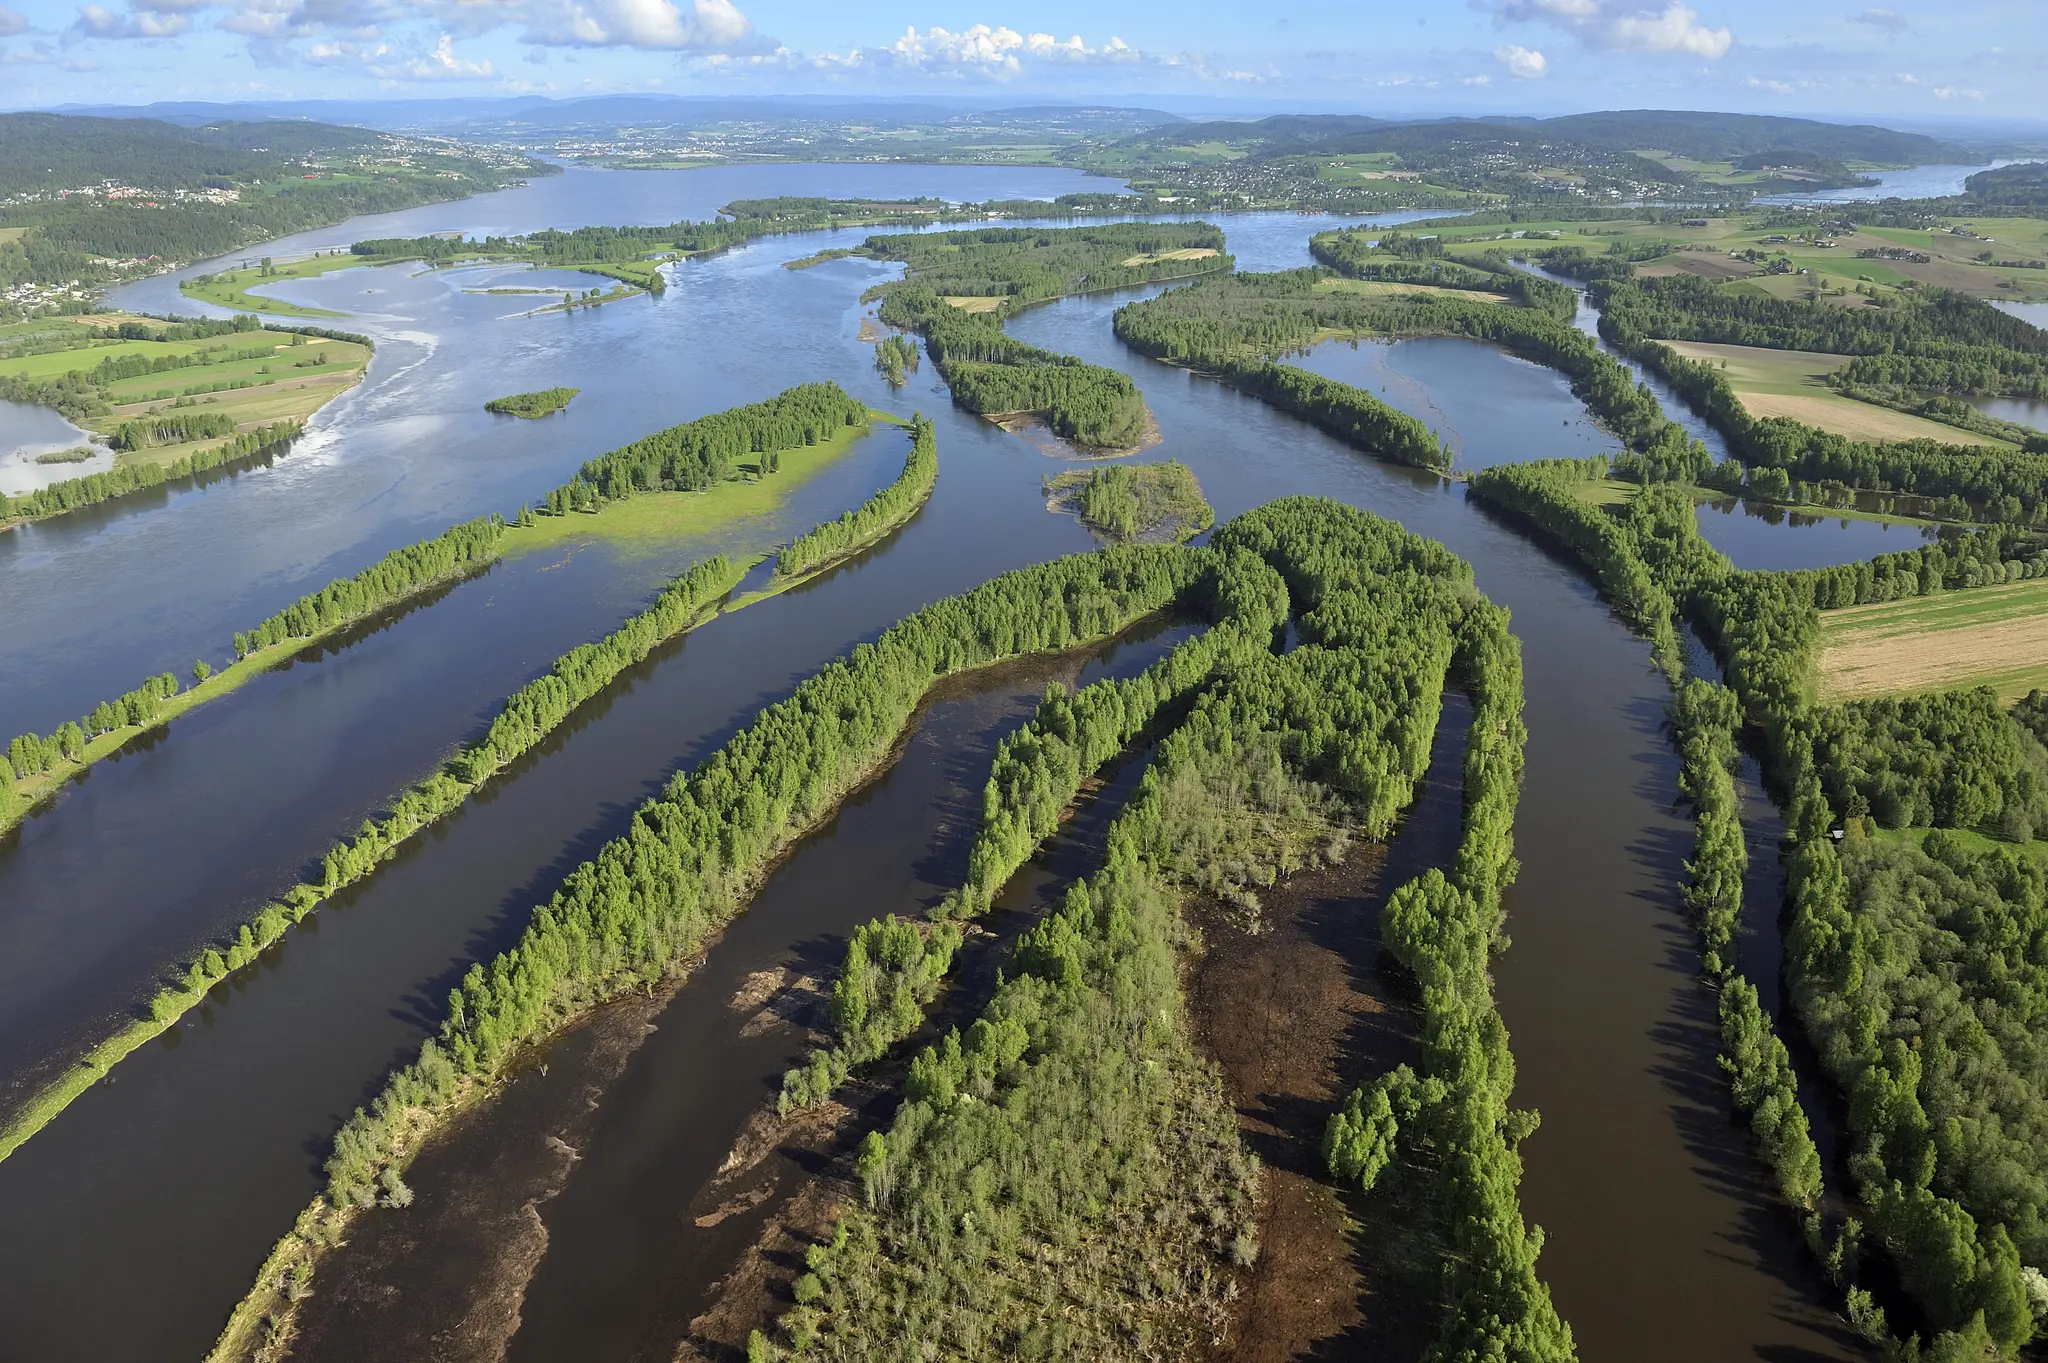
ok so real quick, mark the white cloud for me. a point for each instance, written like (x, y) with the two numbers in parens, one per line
(12, 22)
(389, 61)
(654, 24)
(96, 21)
(1950, 92)
(1522, 63)
(1623, 25)
(999, 52)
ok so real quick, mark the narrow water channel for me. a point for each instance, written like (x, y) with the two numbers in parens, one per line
(148, 855)
(202, 1148)
(1663, 1241)
(620, 1233)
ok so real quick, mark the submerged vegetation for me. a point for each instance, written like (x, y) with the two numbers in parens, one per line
(995, 1219)
(532, 406)
(1134, 501)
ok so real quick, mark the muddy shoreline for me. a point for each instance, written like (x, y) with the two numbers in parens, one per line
(452, 1276)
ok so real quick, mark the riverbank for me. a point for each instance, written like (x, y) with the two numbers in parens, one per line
(412, 812)
(405, 1129)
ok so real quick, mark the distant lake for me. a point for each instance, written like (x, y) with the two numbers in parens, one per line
(1919, 182)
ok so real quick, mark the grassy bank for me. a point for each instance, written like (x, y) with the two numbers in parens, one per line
(230, 288)
(653, 520)
(528, 716)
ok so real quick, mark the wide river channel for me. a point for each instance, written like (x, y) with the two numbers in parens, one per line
(131, 1225)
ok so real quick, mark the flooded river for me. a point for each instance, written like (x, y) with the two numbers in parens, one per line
(1662, 1239)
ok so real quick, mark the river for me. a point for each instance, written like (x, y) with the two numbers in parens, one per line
(200, 1150)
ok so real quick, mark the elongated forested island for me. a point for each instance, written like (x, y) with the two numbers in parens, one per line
(1520, 835)
(532, 406)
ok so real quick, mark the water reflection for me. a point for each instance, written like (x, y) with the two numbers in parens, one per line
(1762, 535)
(27, 431)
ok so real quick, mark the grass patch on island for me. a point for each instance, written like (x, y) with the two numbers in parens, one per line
(652, 519)
(1982, 636)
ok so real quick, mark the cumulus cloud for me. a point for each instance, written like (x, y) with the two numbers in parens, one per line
(1522, 63)
(389, 61)
(1622, 25)
(656, 24)
(994, 52)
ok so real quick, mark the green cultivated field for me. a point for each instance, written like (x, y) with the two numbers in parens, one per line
(1983, 636)
(288, 383)
(1789, 383)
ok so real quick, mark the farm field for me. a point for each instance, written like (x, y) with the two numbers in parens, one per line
(1789, 383)
(1985, 636)
(295, 377)
(1953, 256)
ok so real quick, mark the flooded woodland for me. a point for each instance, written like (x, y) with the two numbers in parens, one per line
(630, 1194)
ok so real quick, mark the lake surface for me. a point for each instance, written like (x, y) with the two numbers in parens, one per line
(202, 1148)
(2026, 411)
(1916, 182)
(26, 431)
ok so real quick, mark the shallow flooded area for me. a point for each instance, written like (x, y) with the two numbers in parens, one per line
(199, 1151)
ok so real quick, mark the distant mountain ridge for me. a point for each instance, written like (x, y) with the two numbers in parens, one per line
(1700, 136)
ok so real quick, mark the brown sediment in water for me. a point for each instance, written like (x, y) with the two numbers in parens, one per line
(450, 1277)
(1295, 1017)
(444, 1279)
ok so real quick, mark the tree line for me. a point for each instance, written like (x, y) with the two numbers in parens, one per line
(123, 479)
(1037, 772)
(1993, 484)
(1373, 253)
(1234, 325)
(832, 540)
(643, 904)
(996, 1218)
(1883, 948)
(991, 373)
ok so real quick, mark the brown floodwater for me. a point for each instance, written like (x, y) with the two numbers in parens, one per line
(586, 1211)
(163, 1188)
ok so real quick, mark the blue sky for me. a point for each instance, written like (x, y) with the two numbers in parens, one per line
(1910, 60)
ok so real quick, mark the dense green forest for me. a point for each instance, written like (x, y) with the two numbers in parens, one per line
(893, 968)
(1912, 961)
(1234, 326)
(996, 1220)
(1970, 482)
(888, 508)
(205, 191)
(533, 406)
(993, 374)
(1134, 501)
(643, 905)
